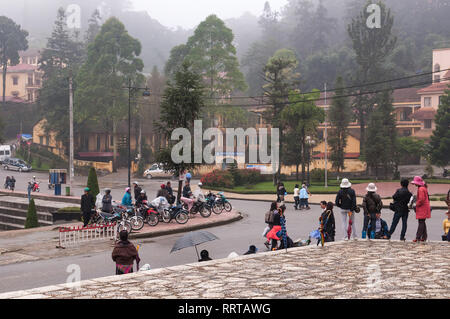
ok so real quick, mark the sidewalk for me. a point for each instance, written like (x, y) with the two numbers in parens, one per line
(40, 243)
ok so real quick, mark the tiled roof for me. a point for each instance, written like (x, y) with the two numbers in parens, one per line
(435, 88)
(426, 113)
(406, 95)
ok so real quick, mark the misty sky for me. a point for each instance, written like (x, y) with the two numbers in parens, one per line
(189, 13)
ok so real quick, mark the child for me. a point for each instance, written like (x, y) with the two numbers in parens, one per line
(446, 224)
(327, 219)
(381, 228)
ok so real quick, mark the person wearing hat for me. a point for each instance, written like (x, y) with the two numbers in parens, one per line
(87, 205)
(401, 199)
(446, 225)
(423, 209)
(137, 190)
(346, 201)
(251, 250)
(372, 205)
(107, 201)
(124, 255)
(142, 197)
(162, 192)
(126, 199)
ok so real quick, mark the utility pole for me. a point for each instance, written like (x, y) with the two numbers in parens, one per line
(71, 168)
(129, 132)
(326, 139)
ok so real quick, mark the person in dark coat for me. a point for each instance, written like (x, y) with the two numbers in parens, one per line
(137, 190)
(124, 255)
(7, 181)
(329, 224)
(170, 191)
(346, 201)
(162, 192)
(401, 198)
(372, 205)
(12, 183)
(205, 256)
(107, 202)
(142, 197)
(281, 192)
(187, 190)
(87, 205)
(381, 227)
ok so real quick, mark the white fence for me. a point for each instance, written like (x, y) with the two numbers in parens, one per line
(73, 236)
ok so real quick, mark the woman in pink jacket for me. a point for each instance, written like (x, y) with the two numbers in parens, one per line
(423, 209)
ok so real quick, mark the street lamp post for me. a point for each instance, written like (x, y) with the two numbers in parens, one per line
(145, 94)
(326, 139)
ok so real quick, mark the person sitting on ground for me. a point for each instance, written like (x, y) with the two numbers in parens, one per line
(329, 224)
(162, 192)
(124, 255)
(381, 228)
(137, 190)
(251, 250)
(142, 197)
(446, 225)
(107, 202)
(126, 199)
(205, 256)
(304, 197)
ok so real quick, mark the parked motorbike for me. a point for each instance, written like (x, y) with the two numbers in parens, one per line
(223, 202)
(176, 212)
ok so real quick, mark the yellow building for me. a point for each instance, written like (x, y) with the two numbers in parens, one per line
(24, 79)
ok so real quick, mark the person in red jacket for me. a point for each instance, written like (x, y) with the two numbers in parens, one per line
(423, 209)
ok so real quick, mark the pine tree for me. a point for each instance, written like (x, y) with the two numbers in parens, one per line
(32, 218)
(382, 136)
(340, 116)
(92, 182)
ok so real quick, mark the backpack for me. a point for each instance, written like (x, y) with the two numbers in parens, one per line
(269, 217)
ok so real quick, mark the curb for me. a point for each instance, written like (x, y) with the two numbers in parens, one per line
(186, 228)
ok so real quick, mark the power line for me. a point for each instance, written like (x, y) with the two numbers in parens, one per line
(341, 96)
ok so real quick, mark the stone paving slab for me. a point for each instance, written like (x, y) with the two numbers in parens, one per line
(342, 270)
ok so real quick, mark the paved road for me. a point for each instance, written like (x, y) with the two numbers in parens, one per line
(233, 237)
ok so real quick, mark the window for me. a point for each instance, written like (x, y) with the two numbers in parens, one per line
(15, 80)
(7, 153)
(47, 139)
(111, 140)
(2, 153)
(440, 100)
(30, 80)
(428, 124)
(41, 140)
(427, 101)
(98, 143)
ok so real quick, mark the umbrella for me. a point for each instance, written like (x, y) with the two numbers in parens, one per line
(350, 223)
(193, 239)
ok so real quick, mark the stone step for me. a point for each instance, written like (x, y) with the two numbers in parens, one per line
(16, 212)
(11, 226)
(24, 206)
(19, 220)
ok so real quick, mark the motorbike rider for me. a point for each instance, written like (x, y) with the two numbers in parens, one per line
(162, 192)
(142, 197)
(107, 202)
(170, 191)
(126, 200)
(34, 183)
(137, 190)
(198, 194)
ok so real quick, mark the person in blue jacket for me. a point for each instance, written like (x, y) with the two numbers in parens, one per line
(126, 200)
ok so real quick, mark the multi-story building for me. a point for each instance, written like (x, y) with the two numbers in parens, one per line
(24, 79)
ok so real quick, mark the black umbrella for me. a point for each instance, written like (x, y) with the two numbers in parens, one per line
(193, 239)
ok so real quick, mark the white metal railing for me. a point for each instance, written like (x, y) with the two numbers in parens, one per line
(73, 236)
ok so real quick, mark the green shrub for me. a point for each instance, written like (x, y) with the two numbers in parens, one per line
(92, 182)
(32, 218)
(317, 175)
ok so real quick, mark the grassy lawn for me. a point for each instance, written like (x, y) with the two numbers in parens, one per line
(316, 187)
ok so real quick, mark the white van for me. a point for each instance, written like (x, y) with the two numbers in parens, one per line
(5, 152)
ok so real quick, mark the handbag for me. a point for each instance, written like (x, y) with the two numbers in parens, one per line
(392, 207)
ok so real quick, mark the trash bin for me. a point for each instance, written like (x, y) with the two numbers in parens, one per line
(67, 191)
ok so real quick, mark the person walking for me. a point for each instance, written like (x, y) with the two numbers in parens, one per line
(87, 205)
(329, 224)
(12, 183)
(372, 205)
(281, 192)
(7, 181)
(269, 219)
(297, 197)
(423, 209)
(124, 255)
(107, 201)
(401, 199)
(346, 201)
(304, 197)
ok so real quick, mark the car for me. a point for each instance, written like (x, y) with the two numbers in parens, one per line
(5, 152)
(15, 164)
(157, 171)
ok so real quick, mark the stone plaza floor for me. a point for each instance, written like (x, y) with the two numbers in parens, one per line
(342, 270)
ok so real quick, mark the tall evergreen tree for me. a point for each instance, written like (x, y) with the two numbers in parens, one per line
(372, 46)
(12, 40)
(382, 136)
(440, 140)
(340, 116)
(32, 218)
(92, 182)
